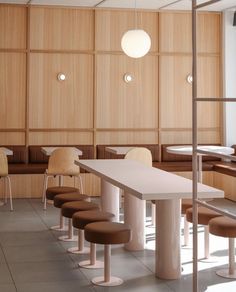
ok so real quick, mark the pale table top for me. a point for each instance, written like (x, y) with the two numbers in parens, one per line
(188, 150)
(48, 150)
(6, 151)
(146, 183)
(118, 149)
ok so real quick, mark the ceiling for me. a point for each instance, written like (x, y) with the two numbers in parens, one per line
(144, 4)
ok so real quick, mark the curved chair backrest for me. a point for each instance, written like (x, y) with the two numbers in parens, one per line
(62, 160)
(140, 154)
(3, 164)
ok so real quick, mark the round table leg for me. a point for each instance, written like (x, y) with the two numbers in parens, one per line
(168, 214)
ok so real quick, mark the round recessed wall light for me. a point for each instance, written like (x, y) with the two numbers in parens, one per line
(61, 76)
(189, 79)
(128, 77)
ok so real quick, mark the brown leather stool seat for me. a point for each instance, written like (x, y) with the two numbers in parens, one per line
(61, 199)
(53, 191)
(204, 215)
(80, 220)
(69, 208)
(225, 227)
(107, 233)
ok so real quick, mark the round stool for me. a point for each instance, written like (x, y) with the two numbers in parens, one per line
(204, 216)
(186, 204)
(68, 209)
(225, 227)
(53, 191)
(107, 233)
(80, 220)
(60, 199)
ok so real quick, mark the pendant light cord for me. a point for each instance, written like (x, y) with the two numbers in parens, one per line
(135, 14)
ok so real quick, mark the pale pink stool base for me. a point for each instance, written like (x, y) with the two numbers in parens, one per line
(114, 281)
(87, 265)
(225, 274)
(66, 238)
(75, 250)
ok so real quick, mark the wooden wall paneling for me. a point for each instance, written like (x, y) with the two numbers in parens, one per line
(60, 138)
(127, 137)
(209, 86)
(185, 137)
(227, 184)
(175, 93)
(12, 138)
(61, 104)
(12, 27)
(61, 28)
(175, 32)
(209, 35)
(31, 185)
(111, 25)
(13, 90)
(208, 176)
(127, 105)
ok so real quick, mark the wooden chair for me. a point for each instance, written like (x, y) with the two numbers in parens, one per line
(61, 163)
(4, 175)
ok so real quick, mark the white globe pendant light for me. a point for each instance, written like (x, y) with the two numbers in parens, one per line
(136, 43)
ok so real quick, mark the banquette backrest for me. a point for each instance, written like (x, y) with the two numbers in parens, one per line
(103, 154)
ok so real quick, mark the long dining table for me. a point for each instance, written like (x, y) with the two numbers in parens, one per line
(149, 183)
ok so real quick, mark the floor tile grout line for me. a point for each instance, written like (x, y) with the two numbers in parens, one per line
(8, 267)
(61, 244)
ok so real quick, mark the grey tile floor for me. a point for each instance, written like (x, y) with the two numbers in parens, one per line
(33, 260)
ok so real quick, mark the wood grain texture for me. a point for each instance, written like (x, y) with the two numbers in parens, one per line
(61, 104)
(227, 184)
(61, 29)
(176, 35)
(111, 25)
(207, 176)
(127, 105)
(176, 92)
(185, 137)
(12, 27)
(31, 185)
(12, 138)
(127, 137)
(12, 90)
(60, 138)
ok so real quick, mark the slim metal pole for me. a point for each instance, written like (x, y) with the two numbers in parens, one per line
(194, 144)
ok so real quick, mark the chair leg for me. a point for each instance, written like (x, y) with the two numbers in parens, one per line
(10, 193)
(5, 190)
(206, 242)
(107, 280)
(153, 214)
(230, 272)
(44, 193)
(81, 188)
(44, 189)
(80, 249)
(92, 263)
(186, 231)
